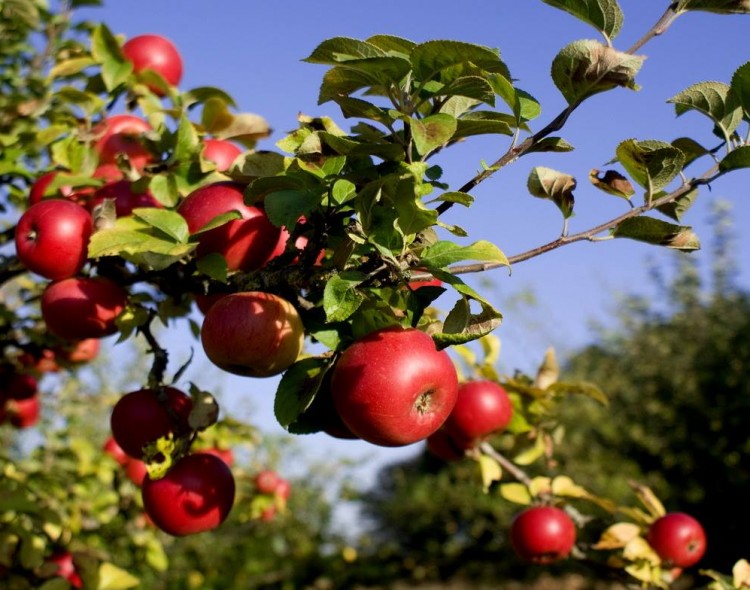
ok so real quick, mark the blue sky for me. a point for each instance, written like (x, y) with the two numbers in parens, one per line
(253, 50)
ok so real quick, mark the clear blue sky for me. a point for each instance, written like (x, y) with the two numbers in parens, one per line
(253, 50)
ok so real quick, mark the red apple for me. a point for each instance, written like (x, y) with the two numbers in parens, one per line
(482, 407)
(444, 447)
(120, 134)
(125, 199)
(39, 361)
(678, 538)
(267, 481)
(66, 568)
(196, 495)
(23, 413)
(136, 471)
(206, 302)
(393, 387)
(140, 418)
(52, 238)
(220, 152)
(253, 334)
(542, 534)
(269, 513)
(414, 285)
(225, 455)
(19, 386)
(80, 352)
(115, 451)
(39, 188)
(80, 308)
(247, 243)
(283, 489)
(156, 53)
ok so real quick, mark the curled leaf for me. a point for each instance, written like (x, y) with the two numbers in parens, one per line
(612, 182)
(558, 187)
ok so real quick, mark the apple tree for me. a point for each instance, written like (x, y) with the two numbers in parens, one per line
(128, 199)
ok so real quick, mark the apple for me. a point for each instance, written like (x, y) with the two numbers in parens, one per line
(247, 243)
(393, 387)
(252, 333)
(52, 238)
(81, 308)
(23, 413)
(136, 471)
(678, 538)
(120, 134)
(283, 489)
(225, 455)
(124, 197)
(542, 534)
(19, 386)
(414, 285)
(77, 353)
(482, 407)
(443, 446)
(196, 495)
(267, 481)
(206, 302)
(140, 418)
(66, 568)
(39, 361)
(115, 451)
(155, 53)
(221, 152)
(269, 513)
(39, 188)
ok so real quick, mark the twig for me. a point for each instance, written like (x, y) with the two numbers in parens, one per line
(518, 473)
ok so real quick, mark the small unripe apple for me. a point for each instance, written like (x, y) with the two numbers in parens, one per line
(543, 534)
(678, 538)
(80, 308)
(393, 387)
(196, 495)
(253, 334)
(52, 238)
(156, 53)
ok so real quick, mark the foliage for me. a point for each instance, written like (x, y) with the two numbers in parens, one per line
(364, 212)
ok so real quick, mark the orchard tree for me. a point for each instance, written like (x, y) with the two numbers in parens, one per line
(310, 262)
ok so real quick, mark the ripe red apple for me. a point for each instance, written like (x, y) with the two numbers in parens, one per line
(19, 386)
(52, 238)
(77, 353)
(115, 451)
(80, 308)
(247, 243)
(196, 495)
(23, 413)
(156, 53)
(66, 568)
(253, 334)
(39, 188)
(443, 446)
(283, 489)
(543, 534)
(139, 418)
(393, 387)
(136, 471)
(678, 538)
(266, 481)
(120, 134)
(206, 302)
(482, 407)
(269, 513)
(125, 199)
(221, 152)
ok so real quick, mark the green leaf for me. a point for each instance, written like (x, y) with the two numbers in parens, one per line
(112, 577)
(578, 388)
(187, 143)
(218, 221)
(604, 15)
(392, 45)
(342, 191)
(220, 122)
(204, 93)
(516, 492)
(737, 158)
(475, 87)
(715, 6)
(444, 253)
(740, 88)
(458, 197)
(341, 298)
(70, 67)
(449, 60)
(89, 102)
(652, 164)
(712, 99)
(341, 49)
(432, 132)
(253, 165)
(285, 207)
(676, 209)
(555, 186)
(106, 51)
(490, 471)
(164, 189)
(358, 108)
(297, 389)
(551, 144)
(655, 231)
(525, 107)
(691, 148)
(213, 265)
(170, 222)
(587, 67)
(484, 122)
